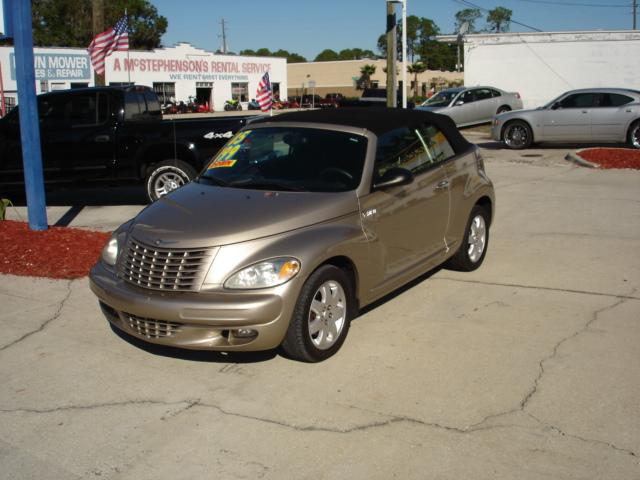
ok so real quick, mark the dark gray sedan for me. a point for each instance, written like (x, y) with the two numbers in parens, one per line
(601, 115)
(472, 105)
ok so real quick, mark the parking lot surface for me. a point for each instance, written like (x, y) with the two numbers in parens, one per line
(527, 368)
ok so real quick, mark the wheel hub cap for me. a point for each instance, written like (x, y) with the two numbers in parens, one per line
(477, 238)
(327, 314)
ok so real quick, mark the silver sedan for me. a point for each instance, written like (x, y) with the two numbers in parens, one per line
(594, 115)
(472, 105)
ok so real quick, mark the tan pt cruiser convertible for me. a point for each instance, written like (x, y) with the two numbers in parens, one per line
(297, 223)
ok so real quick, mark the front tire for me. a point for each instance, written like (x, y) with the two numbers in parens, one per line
(474, 245)
(321, 317)
(167, 176)
(517, 135)
(634, 134)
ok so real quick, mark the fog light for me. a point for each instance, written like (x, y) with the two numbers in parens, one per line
(244, 333)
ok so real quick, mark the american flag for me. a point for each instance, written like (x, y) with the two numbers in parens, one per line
(264, 94)
(109, 41)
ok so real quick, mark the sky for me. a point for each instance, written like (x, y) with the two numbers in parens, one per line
(309, 26)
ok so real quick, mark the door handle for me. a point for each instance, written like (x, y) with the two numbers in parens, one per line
(102, 138)
(443, 185)
(585, 111)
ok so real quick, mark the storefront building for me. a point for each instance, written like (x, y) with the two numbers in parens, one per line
(321, 78)
(178, 73)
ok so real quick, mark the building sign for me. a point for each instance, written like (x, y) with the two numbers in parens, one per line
(199, 70)
(57, 66)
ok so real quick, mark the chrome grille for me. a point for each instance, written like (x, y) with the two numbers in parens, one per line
(164, 269)
(151, 328)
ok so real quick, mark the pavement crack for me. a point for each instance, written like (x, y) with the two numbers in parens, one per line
(562, 341)
(44, 324)
(557, 429)
(95, 406)
(537, 287)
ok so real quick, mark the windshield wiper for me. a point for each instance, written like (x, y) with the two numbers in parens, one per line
(267, 185)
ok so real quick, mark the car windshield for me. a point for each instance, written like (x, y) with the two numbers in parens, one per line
(289, 159)
(441, 99)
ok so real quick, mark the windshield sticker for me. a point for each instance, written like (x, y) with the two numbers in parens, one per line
(212, 135)
(222, 164)
(226, 156)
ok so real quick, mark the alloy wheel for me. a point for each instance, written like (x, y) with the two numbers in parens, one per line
(516, 136)
(477, 238)
(327, 314)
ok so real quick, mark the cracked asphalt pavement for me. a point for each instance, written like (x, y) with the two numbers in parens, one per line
(527, 368)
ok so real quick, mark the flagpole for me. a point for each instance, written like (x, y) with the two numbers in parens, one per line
(271, 90)
(128, 48)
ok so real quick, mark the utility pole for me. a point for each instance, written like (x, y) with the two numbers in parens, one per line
(635, 13)
(98, 27)
(224, 37)
(391, 56)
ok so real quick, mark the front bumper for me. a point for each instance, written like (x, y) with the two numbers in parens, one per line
(197, 320)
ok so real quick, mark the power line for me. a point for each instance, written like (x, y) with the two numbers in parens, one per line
(571, 4)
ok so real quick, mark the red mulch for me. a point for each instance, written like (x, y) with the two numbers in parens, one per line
(612, 157)
(58, 252)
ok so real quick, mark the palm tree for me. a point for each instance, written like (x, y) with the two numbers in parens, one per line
(415, 69)
(365, 76)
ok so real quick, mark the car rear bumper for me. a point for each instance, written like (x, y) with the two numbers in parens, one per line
(233, 321)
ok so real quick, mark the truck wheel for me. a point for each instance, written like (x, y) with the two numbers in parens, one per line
(321, 318)
(166, 176)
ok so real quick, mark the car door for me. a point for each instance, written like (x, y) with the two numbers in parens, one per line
(463, 108)
(485, 105)
(92, 135)
(609, 119)
(408, 222)
(569, 119)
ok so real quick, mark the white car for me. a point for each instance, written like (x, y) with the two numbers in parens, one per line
(472, 105)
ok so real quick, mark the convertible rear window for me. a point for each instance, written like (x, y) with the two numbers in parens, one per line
(287, 158)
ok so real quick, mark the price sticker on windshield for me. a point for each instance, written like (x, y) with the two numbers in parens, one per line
(226, 157)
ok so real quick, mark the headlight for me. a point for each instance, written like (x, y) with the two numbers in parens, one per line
(110, 251)
(269, 273)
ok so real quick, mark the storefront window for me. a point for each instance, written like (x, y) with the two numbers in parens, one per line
(275, 87)
(166, 92)
(240, 91)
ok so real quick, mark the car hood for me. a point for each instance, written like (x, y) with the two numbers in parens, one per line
(518, 114)
(197, 215)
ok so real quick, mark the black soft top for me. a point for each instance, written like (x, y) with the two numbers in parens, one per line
(376, 120)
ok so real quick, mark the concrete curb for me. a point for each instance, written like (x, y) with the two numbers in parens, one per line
(576, 158)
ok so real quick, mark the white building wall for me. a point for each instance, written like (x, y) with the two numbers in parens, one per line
(541, 66)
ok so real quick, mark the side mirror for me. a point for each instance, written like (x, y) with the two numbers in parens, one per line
(393, 177)
(458, 103)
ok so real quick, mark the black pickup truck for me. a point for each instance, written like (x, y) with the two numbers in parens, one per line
(114, 133)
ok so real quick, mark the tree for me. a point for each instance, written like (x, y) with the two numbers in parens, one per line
(469, 15)
(420, 36)
(327, 55)
(415, 69)
(265, 52)
(365, 76)
(355, 54)
(68, 23)
(499, 19)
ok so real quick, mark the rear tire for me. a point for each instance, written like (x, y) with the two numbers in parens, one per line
(517, 135)
(322, 315)
(474, 244)
(503, 109)
(167, 176)
(634, 134)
